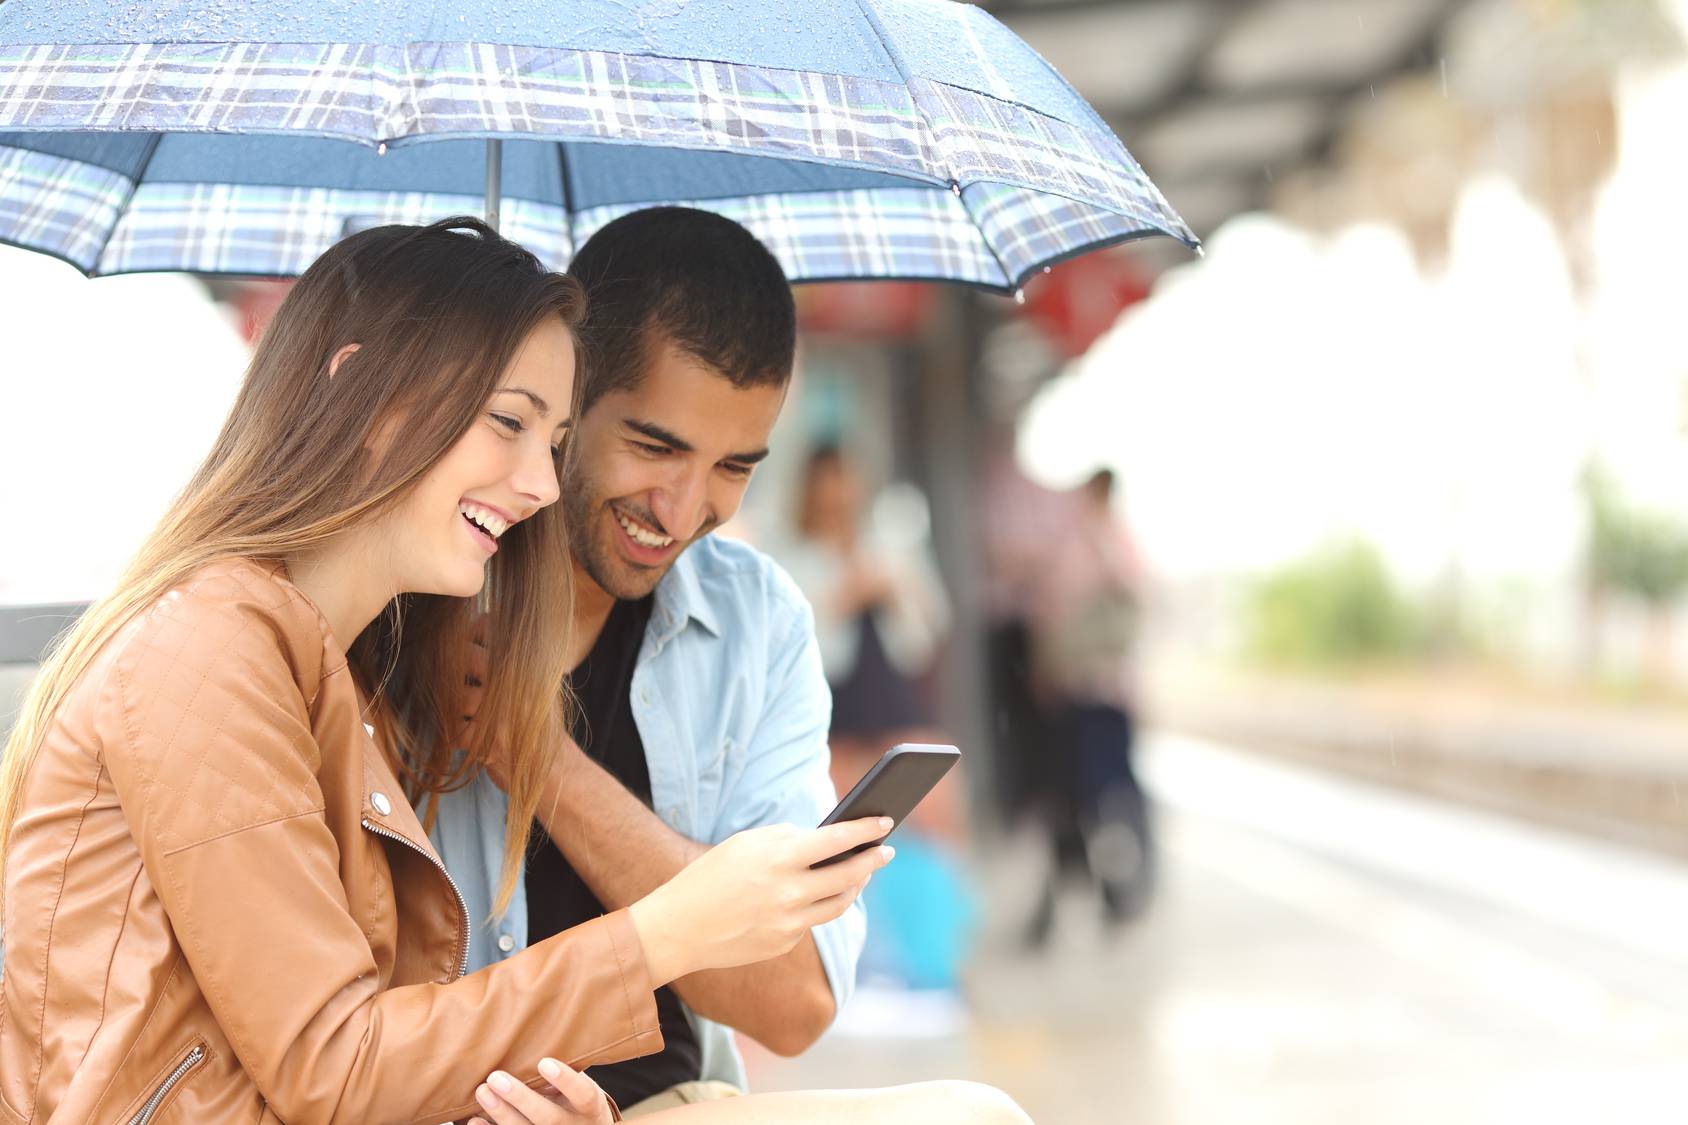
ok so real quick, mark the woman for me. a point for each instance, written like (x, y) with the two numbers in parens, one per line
(880, 610)
(218, 905)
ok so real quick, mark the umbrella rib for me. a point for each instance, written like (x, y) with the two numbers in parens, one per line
(870, 14)
(1010, 281)
(153, 140)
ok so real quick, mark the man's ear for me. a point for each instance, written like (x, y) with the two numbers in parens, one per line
(334, 364)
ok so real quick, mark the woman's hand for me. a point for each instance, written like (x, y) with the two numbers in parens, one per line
(570, 1099)
(753, 896)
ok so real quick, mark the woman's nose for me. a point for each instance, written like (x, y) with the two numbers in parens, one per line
(536, 477)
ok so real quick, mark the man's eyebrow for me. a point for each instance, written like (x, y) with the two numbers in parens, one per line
(539, 404)
(657, 433)
(681, 445)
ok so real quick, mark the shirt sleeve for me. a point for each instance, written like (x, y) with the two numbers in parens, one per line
(786, 780)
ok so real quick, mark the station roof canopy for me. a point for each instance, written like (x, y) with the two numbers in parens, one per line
(1216, 98)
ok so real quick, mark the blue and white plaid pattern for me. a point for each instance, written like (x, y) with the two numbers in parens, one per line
(242, 228)
(1030, 229)
(102, 224)
(908, 233)
(60, 207)
(1034, 188)
(393, 94)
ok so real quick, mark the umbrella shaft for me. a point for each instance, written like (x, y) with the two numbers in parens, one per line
(494, 180)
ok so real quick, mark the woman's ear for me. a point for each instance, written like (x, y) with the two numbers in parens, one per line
(334, 364)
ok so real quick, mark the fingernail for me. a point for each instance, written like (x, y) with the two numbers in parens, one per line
(499, 1081)
(486, 1097)
(888, 852)
(550, 1068)
(886, 824)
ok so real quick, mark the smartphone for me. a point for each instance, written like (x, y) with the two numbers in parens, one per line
(892, 788)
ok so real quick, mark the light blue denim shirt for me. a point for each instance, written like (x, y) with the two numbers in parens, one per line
(733, 709)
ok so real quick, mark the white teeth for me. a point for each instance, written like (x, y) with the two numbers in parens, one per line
(493, 524)
(642, 537)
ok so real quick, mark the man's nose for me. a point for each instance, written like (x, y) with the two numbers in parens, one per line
(680, 505)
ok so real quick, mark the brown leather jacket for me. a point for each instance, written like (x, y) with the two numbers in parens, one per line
(220, 907)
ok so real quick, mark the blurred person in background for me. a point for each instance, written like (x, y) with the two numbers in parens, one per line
(1024, 519)
(881, 614)
(1085, 632)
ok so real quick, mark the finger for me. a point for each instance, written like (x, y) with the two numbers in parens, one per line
(834, 878)
(496, 1109)
(582, 1093)
(533, 1106)
(824, 911)
(829, 840)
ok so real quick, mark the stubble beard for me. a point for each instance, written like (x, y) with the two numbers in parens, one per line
(591, 523)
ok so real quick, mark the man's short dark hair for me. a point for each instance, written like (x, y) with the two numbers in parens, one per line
(692, 278)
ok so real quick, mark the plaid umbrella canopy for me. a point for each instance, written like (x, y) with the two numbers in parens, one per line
(857, 138)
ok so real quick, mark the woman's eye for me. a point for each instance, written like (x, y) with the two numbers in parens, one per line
(514, 425)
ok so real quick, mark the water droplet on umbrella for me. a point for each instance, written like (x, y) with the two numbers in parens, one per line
(381, 149)
(1046, 269)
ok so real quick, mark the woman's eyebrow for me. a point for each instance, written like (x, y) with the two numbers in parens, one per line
(539, 404)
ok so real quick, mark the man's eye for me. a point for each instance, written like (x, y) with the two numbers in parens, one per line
(647, 447)
(736, 469)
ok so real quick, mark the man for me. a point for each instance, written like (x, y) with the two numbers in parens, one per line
(702, 707)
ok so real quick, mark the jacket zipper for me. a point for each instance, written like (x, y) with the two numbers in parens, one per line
(169, 1083)
(465, 928)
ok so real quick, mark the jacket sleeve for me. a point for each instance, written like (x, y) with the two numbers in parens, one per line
(212, 754)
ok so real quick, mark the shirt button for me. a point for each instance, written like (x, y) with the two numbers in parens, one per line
(382, 805)
(506, 942)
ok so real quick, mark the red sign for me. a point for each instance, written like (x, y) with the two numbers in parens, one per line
(1081, 298)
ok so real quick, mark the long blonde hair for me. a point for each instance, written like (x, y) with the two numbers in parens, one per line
(439, 311)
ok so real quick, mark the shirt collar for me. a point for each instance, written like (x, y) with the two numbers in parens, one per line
(680, 597)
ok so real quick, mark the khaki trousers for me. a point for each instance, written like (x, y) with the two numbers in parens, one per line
(686, 1093)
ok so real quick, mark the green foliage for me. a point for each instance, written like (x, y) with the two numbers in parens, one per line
(1336, 606)
(1630, 549)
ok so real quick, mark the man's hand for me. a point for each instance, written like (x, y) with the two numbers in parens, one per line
(466, 705)
(755, 895)
(570, 1099)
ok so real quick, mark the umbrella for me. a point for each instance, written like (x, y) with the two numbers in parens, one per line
(857, 138)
